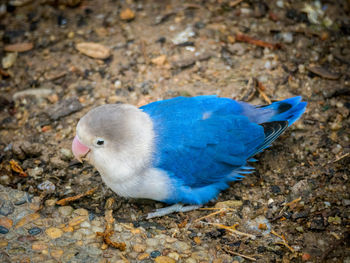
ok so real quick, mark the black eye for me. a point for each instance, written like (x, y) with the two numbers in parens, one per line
(100, 142)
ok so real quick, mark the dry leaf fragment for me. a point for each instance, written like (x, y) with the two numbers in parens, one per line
(17, 168)
(64, 201)
(127, 14)
(19, 47)
(93, 50)
(106, 235)
(160, 60)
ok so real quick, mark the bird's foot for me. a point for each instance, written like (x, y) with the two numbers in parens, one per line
(172, 209)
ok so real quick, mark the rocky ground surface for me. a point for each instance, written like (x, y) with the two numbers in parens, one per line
(294, 208)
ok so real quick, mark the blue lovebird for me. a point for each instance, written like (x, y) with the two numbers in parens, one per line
(180, 151)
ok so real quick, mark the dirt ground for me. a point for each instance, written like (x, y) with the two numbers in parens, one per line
(257, 51)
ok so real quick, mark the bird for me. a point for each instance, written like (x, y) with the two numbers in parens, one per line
(181, 151)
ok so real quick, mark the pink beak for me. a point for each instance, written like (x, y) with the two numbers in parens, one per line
(79, 149)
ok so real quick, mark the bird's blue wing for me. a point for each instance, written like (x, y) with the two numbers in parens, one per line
(202, 140)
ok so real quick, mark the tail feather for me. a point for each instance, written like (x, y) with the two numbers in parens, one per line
(286, 110)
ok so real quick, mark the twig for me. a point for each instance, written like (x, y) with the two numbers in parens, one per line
(231, 229)
(214, 213)
(341, 157)
(261, 89)
(109, 232)
(257, 42)
(238, 254)
(234, 3)
(284, 241)
(293, 202)
(64, 201)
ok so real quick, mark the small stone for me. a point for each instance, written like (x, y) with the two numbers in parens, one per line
(70, 35)
(47, 186)
(287, 37)
(306, 257)
(54, 232)
(85, 224)
(139, 248)
(181, 246)
(346, 202)
(280, 3)
(142, 256)
(174, 255)
(3, 230)
(66, 154)
(275, 189)
(6, 207)
(164, 259)
(81, 212)
(27, 219)
(57, 163)
(94, 50)
(335, 220)
(35, 172)
(70, 229)
(3, 243)
(64, 108)
(301, 188)
(190, 260)
(237, 49)
(9, 60)
(317, 224)
(77, 220)
(65, 211)
(300, 229)
(39, 245)
(51, 202)
(6, 222)
(160, 60)
(183, 36)
(34, 231)
(301, 68)
(127, 14)
(152, 242)
(57, 253)
(155, 253)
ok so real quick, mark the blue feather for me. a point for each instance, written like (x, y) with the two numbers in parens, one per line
(204, 142)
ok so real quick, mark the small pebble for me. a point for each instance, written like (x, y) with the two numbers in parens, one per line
(6, 222)
(54, 232)
(143, 256)
(65, 210)
(174, 255)
(35, 172)
(3, 230)
(6, 207)
(9, 60)
(3, 243)
(47, 186)
(163, 259)
(287, 37)
(39, 245)
(155, 254)
(139, 248)
(81, 212)
(34, 231)
(152, 242)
